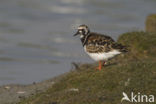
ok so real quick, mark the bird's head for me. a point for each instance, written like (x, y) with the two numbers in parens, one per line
(83, 31)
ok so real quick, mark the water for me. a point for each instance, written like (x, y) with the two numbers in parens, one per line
(36, 41)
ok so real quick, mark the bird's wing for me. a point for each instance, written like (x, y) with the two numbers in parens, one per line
(99, 43)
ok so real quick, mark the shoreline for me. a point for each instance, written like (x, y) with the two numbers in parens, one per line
(13, 93)
(85, 84)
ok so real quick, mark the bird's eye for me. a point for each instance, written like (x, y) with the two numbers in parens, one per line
(82, 31)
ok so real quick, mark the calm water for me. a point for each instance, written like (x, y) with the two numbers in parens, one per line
(36, 41)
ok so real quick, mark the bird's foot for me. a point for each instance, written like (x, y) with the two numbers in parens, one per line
(100, 66)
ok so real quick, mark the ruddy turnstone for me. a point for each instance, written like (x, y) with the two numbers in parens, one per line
(98, 46)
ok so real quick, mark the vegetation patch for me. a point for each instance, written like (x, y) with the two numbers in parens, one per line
(132, 72)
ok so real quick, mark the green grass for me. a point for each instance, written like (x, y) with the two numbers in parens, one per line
(151, 23)
(132, 72)
(141, 44)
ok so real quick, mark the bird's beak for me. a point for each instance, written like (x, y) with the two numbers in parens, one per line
(77, 33)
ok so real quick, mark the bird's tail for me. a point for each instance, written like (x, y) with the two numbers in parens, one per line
(121, 47)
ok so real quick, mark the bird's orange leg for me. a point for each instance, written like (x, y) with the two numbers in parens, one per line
(100, 66)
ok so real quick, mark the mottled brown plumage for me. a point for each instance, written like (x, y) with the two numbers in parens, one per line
(98, 43)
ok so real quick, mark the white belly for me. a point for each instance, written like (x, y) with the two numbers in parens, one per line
(102, 56)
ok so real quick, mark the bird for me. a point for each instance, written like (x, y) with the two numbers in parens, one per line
(98, 46)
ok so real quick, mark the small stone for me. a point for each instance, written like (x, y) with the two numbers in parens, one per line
(74, 89)
(21, 92)
(7, 87)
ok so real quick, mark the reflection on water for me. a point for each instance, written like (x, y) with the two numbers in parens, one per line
(36, 36)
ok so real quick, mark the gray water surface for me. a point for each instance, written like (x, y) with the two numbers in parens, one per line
(36, 36)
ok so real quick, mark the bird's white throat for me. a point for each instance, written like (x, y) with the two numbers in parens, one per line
(81, 36)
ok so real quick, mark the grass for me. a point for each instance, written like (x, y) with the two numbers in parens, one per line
(141, 44)
(151, 23)
(132, 72)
